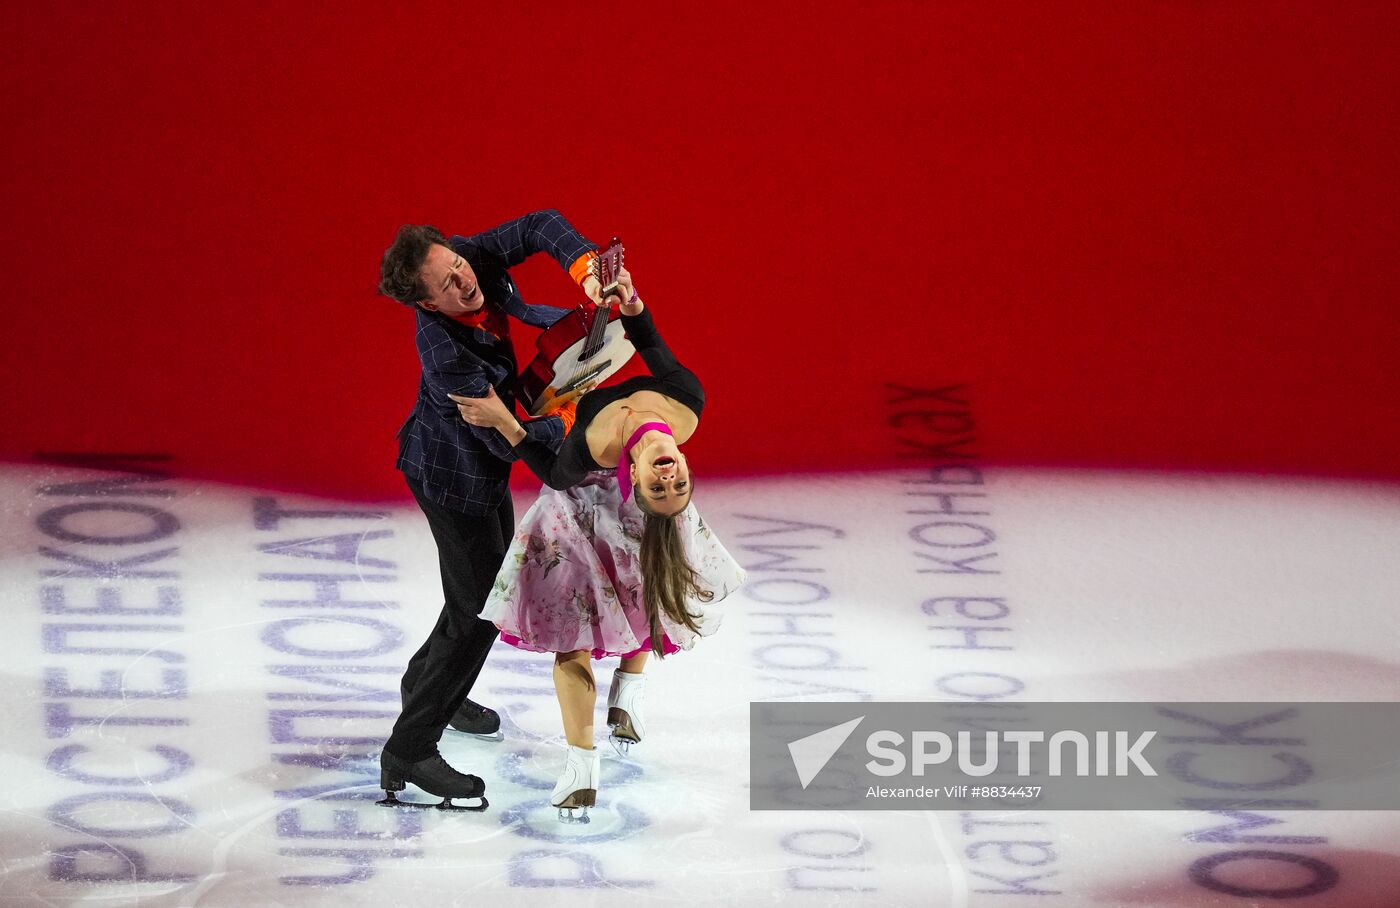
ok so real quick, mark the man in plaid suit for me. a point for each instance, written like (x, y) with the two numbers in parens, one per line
(461, 292)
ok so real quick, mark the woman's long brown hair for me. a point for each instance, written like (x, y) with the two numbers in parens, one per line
(667, 577)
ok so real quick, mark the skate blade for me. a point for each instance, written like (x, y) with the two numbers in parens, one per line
(464, 808)
(389, 800)
(623, 746)
(574, 808)
(494, 737)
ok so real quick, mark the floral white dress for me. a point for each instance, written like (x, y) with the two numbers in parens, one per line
(572, 579)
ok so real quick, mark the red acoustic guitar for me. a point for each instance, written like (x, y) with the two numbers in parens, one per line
(587, 345)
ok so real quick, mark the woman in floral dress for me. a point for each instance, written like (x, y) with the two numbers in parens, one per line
(611, 559)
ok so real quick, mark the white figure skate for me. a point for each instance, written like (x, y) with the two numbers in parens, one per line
(577, 789)
(626, 697)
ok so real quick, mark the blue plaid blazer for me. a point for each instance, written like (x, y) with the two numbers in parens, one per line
(461, 466)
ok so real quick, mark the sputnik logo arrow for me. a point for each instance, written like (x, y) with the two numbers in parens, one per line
(811, 754)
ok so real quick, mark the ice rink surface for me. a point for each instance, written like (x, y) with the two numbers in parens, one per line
(199, 677)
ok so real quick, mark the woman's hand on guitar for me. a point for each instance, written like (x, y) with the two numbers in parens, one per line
(624, 286)
(488, 411)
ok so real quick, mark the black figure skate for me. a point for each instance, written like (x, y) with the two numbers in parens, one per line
(478, 721)
(434, 776)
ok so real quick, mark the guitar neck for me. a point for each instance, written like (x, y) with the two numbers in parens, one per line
(596, 331)
(609, 267)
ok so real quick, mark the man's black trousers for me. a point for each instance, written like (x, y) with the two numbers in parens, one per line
(442, 672)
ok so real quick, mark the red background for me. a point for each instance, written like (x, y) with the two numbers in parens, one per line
(1145, 234)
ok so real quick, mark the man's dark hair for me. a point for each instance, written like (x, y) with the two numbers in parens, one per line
(398, 273)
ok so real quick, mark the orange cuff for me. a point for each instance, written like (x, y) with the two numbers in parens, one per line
(581, 268)
(567, 413)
